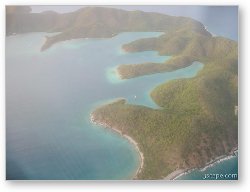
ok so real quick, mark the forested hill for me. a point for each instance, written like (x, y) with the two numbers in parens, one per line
(93, 22)
(197, 118)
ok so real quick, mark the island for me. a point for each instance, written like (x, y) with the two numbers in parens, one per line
(195, 122)
(92, 22)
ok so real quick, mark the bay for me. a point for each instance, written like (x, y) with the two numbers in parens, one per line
(50, 95)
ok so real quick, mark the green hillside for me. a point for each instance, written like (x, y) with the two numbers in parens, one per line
(196, 119)
(196, 123)
(185, 47)
(92, 22)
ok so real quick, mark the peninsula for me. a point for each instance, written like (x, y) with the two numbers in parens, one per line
(196, 121)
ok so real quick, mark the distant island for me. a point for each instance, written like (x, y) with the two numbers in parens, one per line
(92, 22)
(196, 120)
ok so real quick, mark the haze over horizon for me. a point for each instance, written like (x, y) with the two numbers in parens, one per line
(211, 16)
(102, 93)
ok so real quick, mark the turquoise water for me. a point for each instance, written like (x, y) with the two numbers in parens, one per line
(219, 20)
(224, 170)
(49, 96)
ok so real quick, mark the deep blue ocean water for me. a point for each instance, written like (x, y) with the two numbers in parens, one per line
(50, 96)
(220, 20)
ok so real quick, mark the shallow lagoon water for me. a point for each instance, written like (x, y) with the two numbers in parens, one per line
(51, 94)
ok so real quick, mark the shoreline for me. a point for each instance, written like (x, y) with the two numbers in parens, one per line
(175, 174)
(180, 172)
(130, 139)
(118, 74)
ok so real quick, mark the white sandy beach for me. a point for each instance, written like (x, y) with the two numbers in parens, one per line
(130, 139)
(175, 174)
(179, 172)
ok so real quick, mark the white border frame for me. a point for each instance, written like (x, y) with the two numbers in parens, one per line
(62, 186)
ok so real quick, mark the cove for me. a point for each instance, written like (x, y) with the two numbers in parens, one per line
(49, 96)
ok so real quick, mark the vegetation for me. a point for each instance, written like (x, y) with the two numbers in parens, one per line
(195, 124)
(92, 22)
(185, 47)
(135, 70)
(196, 121)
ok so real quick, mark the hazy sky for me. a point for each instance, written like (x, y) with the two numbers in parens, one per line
(220, 20)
